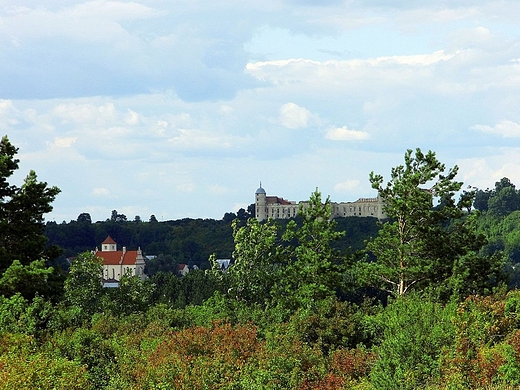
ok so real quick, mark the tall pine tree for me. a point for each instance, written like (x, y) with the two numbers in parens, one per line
(21, 212)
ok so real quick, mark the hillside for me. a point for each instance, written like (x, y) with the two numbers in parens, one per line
(187, 241)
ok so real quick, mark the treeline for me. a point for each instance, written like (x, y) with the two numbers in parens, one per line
(423, 303)
(500, 219)
(185, 241)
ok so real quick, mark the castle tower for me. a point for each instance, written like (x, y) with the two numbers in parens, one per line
(261, 204)
(109, 245)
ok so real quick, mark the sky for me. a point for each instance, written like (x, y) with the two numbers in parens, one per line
(181, 108)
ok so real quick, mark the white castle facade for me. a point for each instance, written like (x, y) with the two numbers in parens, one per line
(278, 208)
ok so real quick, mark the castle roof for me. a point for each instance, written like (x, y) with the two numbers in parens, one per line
(277, 200)
(109, 240)
(260, 190)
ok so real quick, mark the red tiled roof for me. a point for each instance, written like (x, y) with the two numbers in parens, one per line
(276, 200)
(109, 240)
(114, 257)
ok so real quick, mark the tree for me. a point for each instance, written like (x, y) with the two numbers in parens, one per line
(29, 281)
(229, 217)
(504, 199)
(84, 218)
(116, 217)
(251, 210)
(414, 334)
(161, 263)
(167, 288)
(500, 201)
(313, 267)
(420, 243)
(133, 295)
(83, 288)
(481, 199)
(21, 212)
(254, 269)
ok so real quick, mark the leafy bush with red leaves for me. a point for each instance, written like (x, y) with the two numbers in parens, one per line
(199, 357)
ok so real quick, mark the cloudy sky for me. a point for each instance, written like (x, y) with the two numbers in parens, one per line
(180, 108)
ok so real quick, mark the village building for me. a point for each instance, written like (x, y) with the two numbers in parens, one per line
(278, 208)
(182, 269)
(117, 263)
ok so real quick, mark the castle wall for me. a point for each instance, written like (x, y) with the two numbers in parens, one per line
(279, 208)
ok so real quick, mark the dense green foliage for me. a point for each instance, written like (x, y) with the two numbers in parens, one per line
(500, 223)
(424, 246)
(186, 241)
(21, 212)
(283, 316)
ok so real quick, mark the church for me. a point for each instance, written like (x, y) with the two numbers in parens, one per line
(278, 208)
(117, 263)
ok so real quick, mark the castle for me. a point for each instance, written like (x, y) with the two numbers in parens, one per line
(279, 208)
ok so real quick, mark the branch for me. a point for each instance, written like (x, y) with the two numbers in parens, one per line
(412, 283)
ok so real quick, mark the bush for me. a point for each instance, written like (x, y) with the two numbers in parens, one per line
(415, 332)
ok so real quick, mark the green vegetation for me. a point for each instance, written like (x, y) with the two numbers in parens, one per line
(422, 304)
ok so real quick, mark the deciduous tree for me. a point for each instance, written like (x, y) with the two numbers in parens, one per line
(27, 280)
(83, 288)
(254, 269)
(312, 266)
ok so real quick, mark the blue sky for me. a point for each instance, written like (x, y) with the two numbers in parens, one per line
(179, 109)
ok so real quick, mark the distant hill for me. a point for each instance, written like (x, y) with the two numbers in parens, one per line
(186, 241)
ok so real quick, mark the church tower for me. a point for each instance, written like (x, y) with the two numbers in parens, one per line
(261, 204)
(109, 245)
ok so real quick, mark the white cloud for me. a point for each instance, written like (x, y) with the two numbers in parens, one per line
(483, 172)
(225, 109)
(293, 116)
(412, 60)
(5, 105)
(132, 118)
(392, 76)
(78, 76)
(100, 192)
(283, 71)
(86, 113)
(91, 20)
(346, 186)
(344, 134)
(504, 128)
(7, 114)
(64, 142)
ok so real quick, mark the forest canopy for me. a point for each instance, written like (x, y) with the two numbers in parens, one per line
(415, 301)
